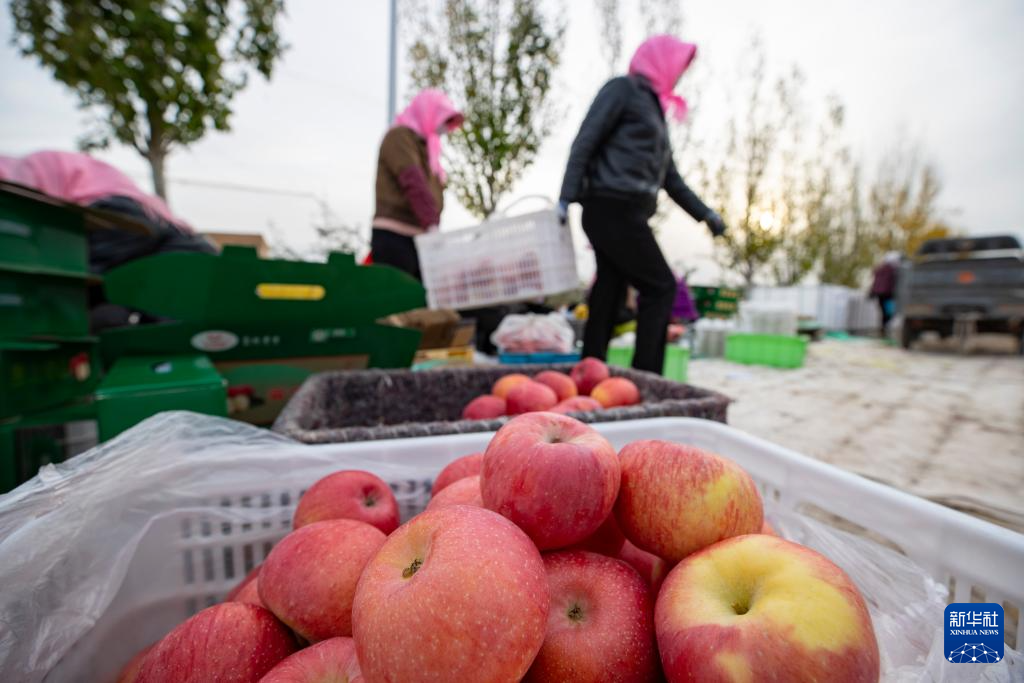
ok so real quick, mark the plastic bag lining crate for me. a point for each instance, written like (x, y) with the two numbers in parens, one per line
(203, 500)
(505, 259)
(334, 407)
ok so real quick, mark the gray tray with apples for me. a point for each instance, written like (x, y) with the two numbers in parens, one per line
(366, 405)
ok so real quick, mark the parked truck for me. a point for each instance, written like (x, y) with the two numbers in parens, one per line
(963, 285)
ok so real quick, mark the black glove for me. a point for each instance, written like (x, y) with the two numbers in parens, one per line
(715, 224)
(563, 211)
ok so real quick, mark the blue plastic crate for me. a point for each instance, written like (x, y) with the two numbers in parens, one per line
(525, 358)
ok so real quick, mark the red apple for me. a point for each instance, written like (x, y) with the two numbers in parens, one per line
(460, 468)
(601, 623)
(243, 583)
(554, 476)
(616, 391)
(250, 594)
(463, 492)
(649, 566)
(768, 529)
(309, 579)
(455, 594)
(507, 383)
(588, 373)
(349, 494)
(329, 661)
(758, 606)
(578, 404)
(677, 499)
(130, 672)
(484, 408)
(607, 540)
(229, 642)
(530, 397)
(560, 383)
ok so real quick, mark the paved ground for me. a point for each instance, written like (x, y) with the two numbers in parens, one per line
(934, 422)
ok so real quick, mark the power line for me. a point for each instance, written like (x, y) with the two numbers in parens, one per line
(239, 187)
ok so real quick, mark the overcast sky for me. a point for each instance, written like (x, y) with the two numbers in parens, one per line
(945, 73)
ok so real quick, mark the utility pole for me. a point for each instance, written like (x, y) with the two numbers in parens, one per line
(392, 62)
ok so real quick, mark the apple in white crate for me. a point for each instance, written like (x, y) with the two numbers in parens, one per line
(249, 578)
(230, 642)
(607, 540)
(649, 566)
(309, 579)
(349, 494)
(757, 604)
(456, 594)
(465, 491)
(676, 499)
(329, 661)
(601, 623)
(552, 475)
(130, 671)
(460, 468)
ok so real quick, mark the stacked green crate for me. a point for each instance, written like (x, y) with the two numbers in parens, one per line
(716, 302)
(49, 365)
(46, 354)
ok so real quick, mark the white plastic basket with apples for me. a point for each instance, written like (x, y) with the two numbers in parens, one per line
(103, 555)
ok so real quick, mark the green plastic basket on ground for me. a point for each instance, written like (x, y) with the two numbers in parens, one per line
(674, 368)
(766, 349)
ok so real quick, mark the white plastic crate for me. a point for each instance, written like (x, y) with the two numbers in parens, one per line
(827, 304)
(863, 314)
(169, 561)
(511, 258)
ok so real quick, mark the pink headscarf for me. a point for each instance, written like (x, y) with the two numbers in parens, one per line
(662, 60)
(424, 115)
(80, 179)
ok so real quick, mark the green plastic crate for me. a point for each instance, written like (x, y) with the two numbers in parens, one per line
(39, 233)
(676, 360)
(49, 437)
(766, 349)
(37, 304)
(40, 375)
(139, 387)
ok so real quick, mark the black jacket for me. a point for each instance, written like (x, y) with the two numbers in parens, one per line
(623, 150)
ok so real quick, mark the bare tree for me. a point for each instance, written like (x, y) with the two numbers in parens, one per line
(740, 185)
(662, 16)
(332, 234)
(496, 59)
(904, 201)
(611, 31)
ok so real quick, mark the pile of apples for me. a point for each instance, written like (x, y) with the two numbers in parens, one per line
(548, 557)
(588, 387)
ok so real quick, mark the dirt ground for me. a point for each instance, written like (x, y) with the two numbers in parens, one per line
(936, 422)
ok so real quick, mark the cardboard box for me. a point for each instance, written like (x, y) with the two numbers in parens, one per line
(441, 328)
(457, 357)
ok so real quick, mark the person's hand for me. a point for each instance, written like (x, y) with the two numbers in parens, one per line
(715, 224)
(563, 211)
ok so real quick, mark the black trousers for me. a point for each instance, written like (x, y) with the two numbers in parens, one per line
(627, 255)
(884, 303)
(399, 251)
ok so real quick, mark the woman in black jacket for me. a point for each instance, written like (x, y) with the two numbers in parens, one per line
(619, 161)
